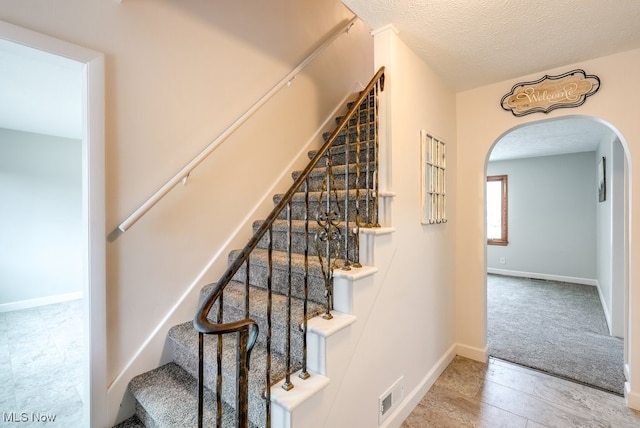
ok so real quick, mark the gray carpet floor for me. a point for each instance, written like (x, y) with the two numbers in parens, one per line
(555, 327)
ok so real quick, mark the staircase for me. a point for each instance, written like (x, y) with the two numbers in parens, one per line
(283, 282)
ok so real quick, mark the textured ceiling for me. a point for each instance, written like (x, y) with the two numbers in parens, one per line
(552, 137)
(471, 43)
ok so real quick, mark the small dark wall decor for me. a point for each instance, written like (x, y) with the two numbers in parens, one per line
(602, 180)
(548, 93)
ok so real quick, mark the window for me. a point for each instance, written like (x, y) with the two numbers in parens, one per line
(497, 203)
(433, 179)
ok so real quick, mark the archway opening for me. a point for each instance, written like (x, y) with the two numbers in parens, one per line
(556, 288)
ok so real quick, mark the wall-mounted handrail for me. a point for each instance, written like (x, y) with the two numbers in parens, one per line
(186, 170)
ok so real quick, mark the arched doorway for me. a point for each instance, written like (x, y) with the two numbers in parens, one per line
(562, 230)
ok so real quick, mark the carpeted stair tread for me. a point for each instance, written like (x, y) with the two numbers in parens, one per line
(132, 422)
(185, 346)
(299, 239)
(260, 257)
(259, 273)
(186, 337)
(367, 153)
(167, 397)
(259, 261)
(317, 178)
(297, 225)
(315, 196)
(299, 203)
(234, 310)
(338, 169)
(234, 296)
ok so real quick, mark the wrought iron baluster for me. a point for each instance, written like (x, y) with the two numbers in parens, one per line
(368, 185)
(347, 145)
(219, 365)
(269, 325)
(246, 288)
(242, 379)
(357, 219)
(304, 374)
(200, 378)
(287, 385)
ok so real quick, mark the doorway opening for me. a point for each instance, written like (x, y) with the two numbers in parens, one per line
(58, 267)
(564, 237)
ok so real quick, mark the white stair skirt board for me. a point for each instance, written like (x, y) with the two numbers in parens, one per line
(343, 283)
(331, 342)
(326, 341)
(367, 243)
(305, 397)
(284, 403)
(319, 337)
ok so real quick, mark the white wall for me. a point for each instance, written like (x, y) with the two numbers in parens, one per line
(481, 122)
(552, 218)
(177, 74)
(610, 237)
(41, 211)
(411, 330)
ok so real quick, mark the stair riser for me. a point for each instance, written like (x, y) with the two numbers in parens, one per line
(190, 364)
(186, 356)
(234, 310)
(298, 208)
(299, 241)
(316, 182)
(144, 417)
(278, 339)
(338, 155)
(166, 397)
(363, 117)
(258, 277)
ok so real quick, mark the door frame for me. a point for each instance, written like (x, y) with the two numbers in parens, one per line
(93, 208)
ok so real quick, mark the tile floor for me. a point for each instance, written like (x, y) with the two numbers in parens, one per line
(500, 394)
(41, 369)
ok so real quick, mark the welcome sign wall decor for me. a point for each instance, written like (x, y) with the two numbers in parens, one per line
(548, 93)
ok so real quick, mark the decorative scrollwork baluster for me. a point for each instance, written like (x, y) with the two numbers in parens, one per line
(328, 239)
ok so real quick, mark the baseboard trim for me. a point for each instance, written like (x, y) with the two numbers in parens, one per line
(415, 396)
(607, 314)
(632, 399)
(41, 301)
(548, 277)
(473, 353)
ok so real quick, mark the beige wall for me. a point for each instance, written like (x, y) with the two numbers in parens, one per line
(177, 74)
(481, 121)
(411, 329)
